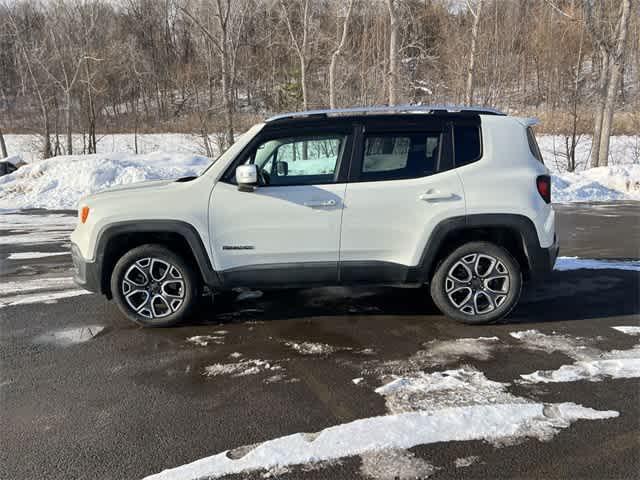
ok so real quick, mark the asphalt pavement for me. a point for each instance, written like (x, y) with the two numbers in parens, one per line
(84, 394)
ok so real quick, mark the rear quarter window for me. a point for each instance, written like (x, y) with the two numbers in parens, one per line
(533, 145)
(467, 144)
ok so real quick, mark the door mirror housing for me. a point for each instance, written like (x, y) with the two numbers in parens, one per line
(247, 177)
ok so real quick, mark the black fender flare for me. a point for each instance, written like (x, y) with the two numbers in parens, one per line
(183, 229)
(520, 225)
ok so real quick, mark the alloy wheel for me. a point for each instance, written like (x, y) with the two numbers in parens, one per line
(153, 288)
(477, 284)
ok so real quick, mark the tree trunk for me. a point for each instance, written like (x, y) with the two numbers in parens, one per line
(334, 57)
(68, 125)
(393, 53)
(226, 97)
(599, 110)
(615, 69)
(3, 146)
(468, 93)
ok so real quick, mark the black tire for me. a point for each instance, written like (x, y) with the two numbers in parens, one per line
(177, 286)
(490, 299)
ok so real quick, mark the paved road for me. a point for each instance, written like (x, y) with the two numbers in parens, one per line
(129, 402)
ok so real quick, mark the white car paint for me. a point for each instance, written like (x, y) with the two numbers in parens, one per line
(387, 221)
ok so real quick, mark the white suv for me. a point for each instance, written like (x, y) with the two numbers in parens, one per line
(454, 198)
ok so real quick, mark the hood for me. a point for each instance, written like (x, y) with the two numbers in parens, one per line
(129, 188)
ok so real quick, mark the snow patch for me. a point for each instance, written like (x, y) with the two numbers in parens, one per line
(401, 431)
(394, 464)
(632, 330)
(241, 368)
(592, 371)
(70, 336)
(313, 348)
(430, 392)
(466, 461)
(575, 263)
(443, 352)
(48, 289)
(591, 363)
(204, 340)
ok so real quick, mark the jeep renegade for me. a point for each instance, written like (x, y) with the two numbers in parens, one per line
(453, 198)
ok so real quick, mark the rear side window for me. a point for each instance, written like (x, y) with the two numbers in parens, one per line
(396, 157)
(466, 141)
(533, 145)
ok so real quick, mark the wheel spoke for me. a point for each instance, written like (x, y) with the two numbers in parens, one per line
(173, 289)
(483, 302)
(137, 299)
(497, 284)
(160, 307)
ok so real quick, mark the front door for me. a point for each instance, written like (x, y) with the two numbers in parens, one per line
(287, 230)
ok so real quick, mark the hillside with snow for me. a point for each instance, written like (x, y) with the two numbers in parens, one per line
(59, 182)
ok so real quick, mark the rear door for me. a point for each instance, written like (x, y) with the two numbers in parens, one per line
(402, 184)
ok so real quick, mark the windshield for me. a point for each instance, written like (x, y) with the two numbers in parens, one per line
(234, 149)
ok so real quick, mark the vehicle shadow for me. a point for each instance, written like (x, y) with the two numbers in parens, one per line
(564, 296)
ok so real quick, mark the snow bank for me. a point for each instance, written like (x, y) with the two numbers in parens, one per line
(58, 183)
(402, 431)
(619, 182)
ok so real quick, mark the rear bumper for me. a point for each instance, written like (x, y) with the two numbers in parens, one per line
(542, 259)
(85, 274)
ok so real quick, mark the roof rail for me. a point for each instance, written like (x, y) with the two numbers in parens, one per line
(388, 109)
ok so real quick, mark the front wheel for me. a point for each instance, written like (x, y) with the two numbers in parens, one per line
(154, 287)
(479, 282)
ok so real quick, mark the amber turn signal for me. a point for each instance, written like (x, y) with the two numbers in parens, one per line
(84, 213)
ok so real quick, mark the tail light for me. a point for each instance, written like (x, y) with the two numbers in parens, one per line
(543, 182)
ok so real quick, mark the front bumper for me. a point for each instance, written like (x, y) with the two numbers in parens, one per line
(85, 274)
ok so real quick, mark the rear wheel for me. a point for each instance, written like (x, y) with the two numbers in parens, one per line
(479, 282)
(154, 287)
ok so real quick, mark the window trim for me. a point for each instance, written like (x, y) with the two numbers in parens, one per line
(342, 162)
(453, 145)
(355, 173)
(534, 148)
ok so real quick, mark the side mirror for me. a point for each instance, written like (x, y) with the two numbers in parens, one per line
(247, 177)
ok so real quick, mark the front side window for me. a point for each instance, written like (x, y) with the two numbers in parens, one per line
(396, 157)
(299, 160)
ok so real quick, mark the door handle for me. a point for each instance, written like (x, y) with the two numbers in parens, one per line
(436, 196)
(320, 203)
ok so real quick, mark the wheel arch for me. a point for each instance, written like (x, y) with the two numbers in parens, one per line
(516, 233)
(182, 238)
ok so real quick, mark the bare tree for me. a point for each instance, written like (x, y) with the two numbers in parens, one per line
(612, 49)
(394, 52)
(300, 45)
(69, 75)
(227, 50)
(336, 54)
(31, 55)
(468, 92)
